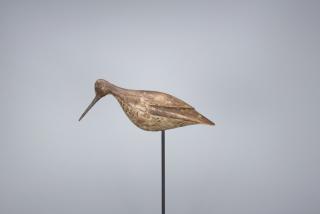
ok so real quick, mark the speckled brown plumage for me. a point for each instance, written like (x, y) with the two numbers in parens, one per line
(150, 110)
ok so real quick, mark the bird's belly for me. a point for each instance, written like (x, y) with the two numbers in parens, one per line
(150, 122)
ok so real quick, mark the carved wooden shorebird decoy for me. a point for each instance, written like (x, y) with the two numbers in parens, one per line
(150, 110)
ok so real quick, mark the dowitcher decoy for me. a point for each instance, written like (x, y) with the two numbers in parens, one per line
(150, 110)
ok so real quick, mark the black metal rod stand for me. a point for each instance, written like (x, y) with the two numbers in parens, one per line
(163, 172)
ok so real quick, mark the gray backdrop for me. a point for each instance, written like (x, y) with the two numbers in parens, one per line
(252, 67)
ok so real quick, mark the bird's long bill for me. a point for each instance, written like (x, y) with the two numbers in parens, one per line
(90, 106)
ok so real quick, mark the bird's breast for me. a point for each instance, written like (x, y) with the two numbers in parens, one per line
(135, 110)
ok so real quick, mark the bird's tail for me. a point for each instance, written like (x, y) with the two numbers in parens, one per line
(206, 121)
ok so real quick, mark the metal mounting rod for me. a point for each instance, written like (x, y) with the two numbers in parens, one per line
(163, 172)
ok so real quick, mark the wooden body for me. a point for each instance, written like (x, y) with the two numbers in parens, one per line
(152, 110)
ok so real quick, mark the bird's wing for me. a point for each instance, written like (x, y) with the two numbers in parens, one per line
(171, 112)
(186, 114)
(166, 105)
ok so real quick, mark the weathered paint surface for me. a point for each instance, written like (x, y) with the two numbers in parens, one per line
(150, 110)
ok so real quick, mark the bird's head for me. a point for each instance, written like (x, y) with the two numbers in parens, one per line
(102, 88)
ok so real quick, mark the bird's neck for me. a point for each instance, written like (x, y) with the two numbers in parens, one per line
(116, 90)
